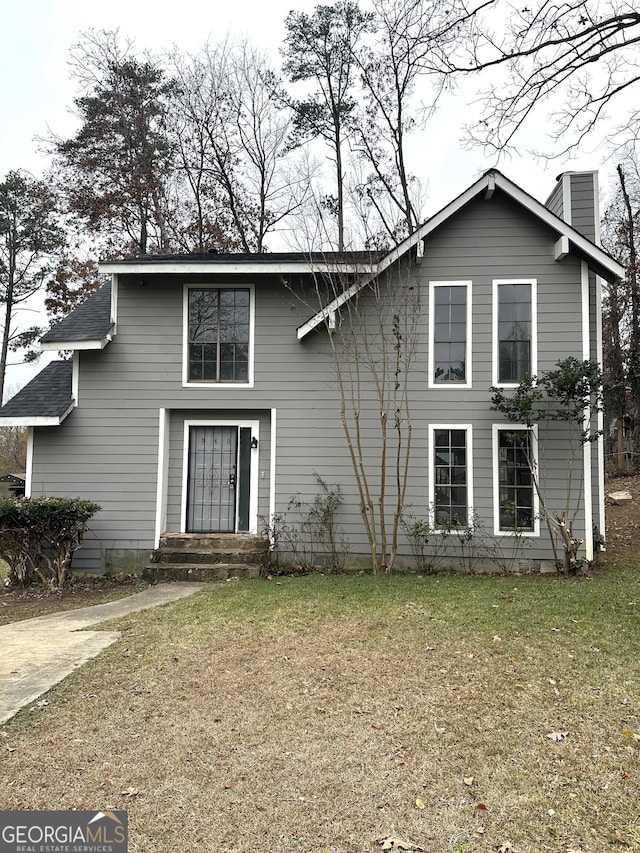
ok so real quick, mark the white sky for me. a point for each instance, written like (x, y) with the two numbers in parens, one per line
(36, 93)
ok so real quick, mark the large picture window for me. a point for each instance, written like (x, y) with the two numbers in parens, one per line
(516, 503)
(450, 476)
(218, 335)
(514, 331)
(450, 334)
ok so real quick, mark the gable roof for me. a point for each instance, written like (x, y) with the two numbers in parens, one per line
(88, 326)
(601, 262)
(45, 401)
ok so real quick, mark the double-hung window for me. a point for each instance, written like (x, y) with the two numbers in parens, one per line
(450, 334)
(450, 475)
(514, 331)
(514, 462)
(218, 335)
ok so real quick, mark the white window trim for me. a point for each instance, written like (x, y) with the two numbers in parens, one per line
(253, 475)
(185, 335)
(496, 429)
(534, 328)
(432, 497)
(449, 386)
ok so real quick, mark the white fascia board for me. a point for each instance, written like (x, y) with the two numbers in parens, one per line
(36, 421)
(396, 254)
(328, 313)
(231, 268)
(592, 251)
(76, 345)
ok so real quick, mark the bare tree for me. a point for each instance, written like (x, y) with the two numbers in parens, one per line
(580, 58)
(410, 37)
(621, 235)
(231, 129)
(373, 329)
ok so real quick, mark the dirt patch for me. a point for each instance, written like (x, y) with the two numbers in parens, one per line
(36, 600)
(623, 522)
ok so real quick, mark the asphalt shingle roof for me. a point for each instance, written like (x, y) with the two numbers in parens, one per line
(48, 395)
(90, 321)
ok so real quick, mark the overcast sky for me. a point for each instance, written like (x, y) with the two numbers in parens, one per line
(36, 93)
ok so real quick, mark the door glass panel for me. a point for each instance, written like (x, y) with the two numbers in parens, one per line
(212, 479)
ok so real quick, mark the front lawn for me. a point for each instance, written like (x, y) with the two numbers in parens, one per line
(331, 713)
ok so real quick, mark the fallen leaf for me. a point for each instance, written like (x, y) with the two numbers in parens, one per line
(556, 736)
(229, 785)
(419, 803)
(481, 809)
(551, 812)
(627, 733)
(376, 727)
(392, 842)
(129, 792)
(505, 848)
(497, 639)
(468, 780)
(11, 749)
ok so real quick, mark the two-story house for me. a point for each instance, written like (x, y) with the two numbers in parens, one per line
(202, 393)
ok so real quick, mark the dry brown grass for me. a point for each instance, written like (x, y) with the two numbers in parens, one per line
(312, 714)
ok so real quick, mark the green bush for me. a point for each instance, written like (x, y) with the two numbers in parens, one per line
(38, 537)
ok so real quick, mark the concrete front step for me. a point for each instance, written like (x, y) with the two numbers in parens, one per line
(156, 572)
(210, 558)
(212, 542)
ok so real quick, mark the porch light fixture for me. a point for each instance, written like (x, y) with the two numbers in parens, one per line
(254, 443)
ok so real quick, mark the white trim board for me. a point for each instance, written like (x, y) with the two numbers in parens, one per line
(254, 476)
(431, 382)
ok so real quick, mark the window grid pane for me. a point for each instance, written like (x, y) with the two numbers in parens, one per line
(514, 332)
(218, 344)
(515, 481)
(450, 334)
(450, 477)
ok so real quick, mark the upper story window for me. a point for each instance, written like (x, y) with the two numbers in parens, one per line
(514, 331)
(449, 334)
(219, 332)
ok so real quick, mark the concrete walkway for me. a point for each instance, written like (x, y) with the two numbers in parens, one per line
(37, 653)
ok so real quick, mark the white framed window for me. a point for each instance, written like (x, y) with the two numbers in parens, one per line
(218, 336)
(450, 334)
(515, 331)
(451, 475)
(516, 508)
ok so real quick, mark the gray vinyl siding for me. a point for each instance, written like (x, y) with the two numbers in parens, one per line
(583, 202)
(554, 202)
(107, 449)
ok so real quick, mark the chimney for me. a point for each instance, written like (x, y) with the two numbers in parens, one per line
(575, 198)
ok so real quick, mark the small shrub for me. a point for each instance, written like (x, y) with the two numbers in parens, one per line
(307, 536)
(38, 537)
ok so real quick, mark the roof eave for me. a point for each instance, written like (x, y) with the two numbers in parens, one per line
(307, 267)
(37, 420)
(96, 344)
(602, 263)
